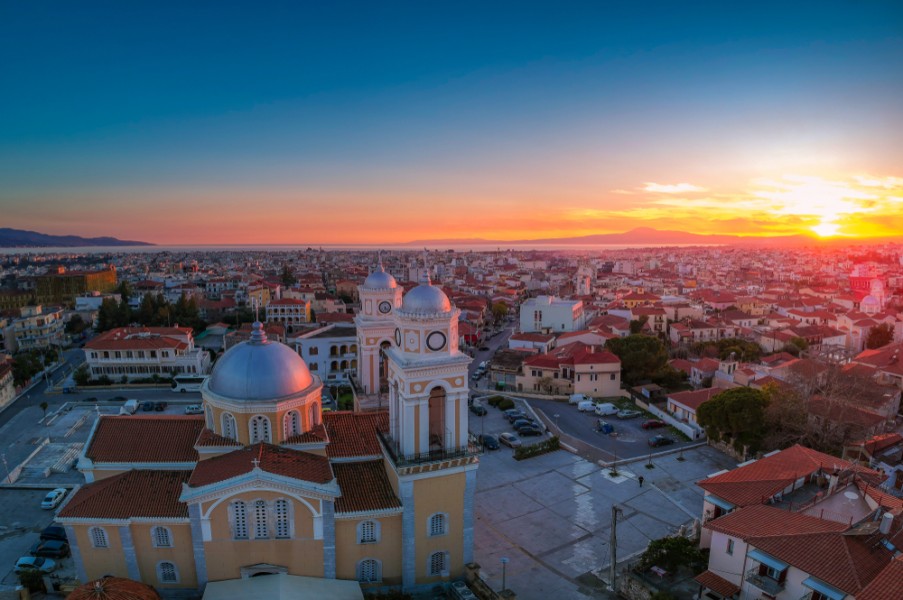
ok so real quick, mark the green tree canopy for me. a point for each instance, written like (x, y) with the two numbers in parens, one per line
(880, 335)
(737, 415)
(642, 356)
(499, 310)
(636, 326)
(288, 275)
(744, 350)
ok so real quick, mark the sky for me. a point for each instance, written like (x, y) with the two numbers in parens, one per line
(383, 122)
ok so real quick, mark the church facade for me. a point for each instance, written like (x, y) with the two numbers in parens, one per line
(265, 482)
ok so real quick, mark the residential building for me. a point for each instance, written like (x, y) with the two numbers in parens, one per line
(330, 352)
(62, 287)
(291, 313)
(575, 368)
(550, 314)
(37, 328)
(7, 386)
(141, 352)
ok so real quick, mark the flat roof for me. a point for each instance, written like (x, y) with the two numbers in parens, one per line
(283, 587)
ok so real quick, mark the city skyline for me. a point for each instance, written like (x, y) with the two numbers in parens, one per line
(362, 124)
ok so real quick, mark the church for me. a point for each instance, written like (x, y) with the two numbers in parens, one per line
(265, 482)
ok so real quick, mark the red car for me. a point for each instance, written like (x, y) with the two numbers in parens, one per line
(654, 424)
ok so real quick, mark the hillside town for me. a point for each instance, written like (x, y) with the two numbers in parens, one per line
(773, 377)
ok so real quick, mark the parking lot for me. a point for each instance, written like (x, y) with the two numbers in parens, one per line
(495, 422)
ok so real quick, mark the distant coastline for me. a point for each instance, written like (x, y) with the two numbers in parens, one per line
(24, 239)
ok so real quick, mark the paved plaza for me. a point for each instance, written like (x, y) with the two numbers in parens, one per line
(551, 516)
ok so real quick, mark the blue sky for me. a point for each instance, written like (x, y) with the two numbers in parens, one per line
(389, 107)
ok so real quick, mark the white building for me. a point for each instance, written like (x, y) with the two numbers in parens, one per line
(291, 312)
(7, 387)
(137, 353)
(548, 314)
(330, 352)
(37, 328)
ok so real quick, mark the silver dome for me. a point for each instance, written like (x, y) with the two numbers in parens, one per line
(259, 370)
(425, 299)
(379, 279)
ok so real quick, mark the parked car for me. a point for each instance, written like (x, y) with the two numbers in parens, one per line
(118, 399)
(147, 406)
(529, 430)
(513, 414)
(653, 424)
(35, 563)
(50, 549)
(89, 399)
(54, 532)
(478, 409)
(577, 398)
(510, 440)
(604, 427)
(160, 406)
(629, 414)
(525, 422)
(606, 409)
(53, 498)
(586, 406)
(194, 409)
(660, 440)
(490, 442)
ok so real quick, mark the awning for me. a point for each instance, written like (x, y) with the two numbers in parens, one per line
(767, 560)
(718, 584)
(719, 502)
(828, 590)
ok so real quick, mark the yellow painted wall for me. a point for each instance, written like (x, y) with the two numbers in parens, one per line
(302, 555)
(101, 561)
(439, 494)
(181, 554)
(387, 550)
(276, 427)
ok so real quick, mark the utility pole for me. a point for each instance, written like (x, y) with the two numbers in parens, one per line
(614, 547)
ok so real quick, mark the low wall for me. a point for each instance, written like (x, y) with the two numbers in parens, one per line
(685, 428)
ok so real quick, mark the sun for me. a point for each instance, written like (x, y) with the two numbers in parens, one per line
(826, 229)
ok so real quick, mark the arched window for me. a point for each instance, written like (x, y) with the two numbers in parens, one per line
(260, 519)
(291, 423)
(239, 520)
(438, 564)
(438, 524)
(313, 415)
(334, 366)
(99, 537)
(229, 429)
(368, 532)
(167, 572)
(314, 366)
(369, 570)
(208, 417)
(161, 537)
(260, 429)
(314, 351)
(282, 508)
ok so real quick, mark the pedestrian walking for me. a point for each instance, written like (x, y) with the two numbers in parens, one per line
(641, 480)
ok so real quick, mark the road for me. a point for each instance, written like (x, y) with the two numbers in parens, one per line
(496, 341)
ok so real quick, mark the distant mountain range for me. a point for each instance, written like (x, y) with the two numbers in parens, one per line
(18, 238)
(653, 237)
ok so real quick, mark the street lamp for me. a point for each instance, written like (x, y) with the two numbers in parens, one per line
(9, 478)
(557, 429)
(504, 565)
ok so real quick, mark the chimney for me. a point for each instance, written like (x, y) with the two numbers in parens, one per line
(832, 482)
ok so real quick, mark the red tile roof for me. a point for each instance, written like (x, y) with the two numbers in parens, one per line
(692, 399)
(753, 483)
(135, 493)
(272, 459)
(141, 338)
(717, 584)
(315, 435)
(761, 520)
(887, 585)
(577, 353)
(354, 434)
(365, 486)
(209, 439)
(139, 439)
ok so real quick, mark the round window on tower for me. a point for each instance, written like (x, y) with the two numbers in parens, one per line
(435, 341)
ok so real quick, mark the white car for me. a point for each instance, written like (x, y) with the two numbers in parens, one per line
(194, 409)
(35, 563)
(53, 498)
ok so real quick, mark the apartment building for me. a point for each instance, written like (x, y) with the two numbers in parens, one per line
(37, 328)
(140, 352)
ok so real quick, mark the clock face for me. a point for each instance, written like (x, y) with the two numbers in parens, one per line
(384, 307)
(398, 337)
(435, 341)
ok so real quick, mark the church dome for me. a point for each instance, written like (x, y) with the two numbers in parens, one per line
(425, 299)
(259, 370)
(870, 301)
(379, 279)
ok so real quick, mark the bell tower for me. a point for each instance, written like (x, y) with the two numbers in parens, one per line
(380, 298)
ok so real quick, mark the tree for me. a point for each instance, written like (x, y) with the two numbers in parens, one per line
(499, 311)
(124, 289)
(671, 553)
(642, 356)
(880, 335)
(736, 415)
(743, 350)
(76, 324)
(636, 326)
(545, 384)
(81, 376)
(287, 276)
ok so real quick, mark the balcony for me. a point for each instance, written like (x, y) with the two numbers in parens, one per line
(393, 449)
(765, 583)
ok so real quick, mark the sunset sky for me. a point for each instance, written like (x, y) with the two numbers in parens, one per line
(379, 122)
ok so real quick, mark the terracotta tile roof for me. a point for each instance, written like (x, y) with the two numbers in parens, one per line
(135, 493)
(577, 353)
(272, 459)
(761, 520)
(209, 439)
(692, 399)
(354, 434)
(315, 435)
(114, 588)
(753, 483)
(717, 584)
(887, 584)
(141, 338)
(140, 439)
(365, 486)
(879, 442)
